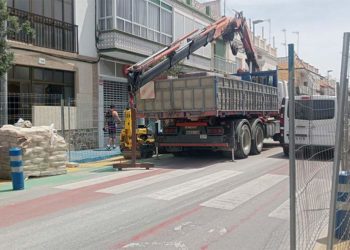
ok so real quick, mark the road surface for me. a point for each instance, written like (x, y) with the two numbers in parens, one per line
(202, 202)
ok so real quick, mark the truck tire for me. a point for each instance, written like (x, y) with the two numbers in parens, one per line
(286, 150)
(244, 143)
(257, 139)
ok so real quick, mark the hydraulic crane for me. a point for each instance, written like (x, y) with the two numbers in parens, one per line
(146, 70)
(227, 27)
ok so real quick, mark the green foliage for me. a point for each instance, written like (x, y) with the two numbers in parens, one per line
(9, 25)
(175, 70)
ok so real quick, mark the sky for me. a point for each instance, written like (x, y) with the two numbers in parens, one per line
(320, 23)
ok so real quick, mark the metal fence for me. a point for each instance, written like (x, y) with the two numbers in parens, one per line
(339, 216)
(79, 121)
(49, 33)
(318, 139)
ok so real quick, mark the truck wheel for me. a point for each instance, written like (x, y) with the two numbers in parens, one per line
(258, 140)
(245, 142)
(179, 154)
(286, 150)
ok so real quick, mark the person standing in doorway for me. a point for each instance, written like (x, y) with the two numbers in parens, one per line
(111, 121)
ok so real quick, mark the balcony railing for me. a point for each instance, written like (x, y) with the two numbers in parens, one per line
(49, 33)
(223, 65)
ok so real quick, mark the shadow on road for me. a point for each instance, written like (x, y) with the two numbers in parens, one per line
(278, 156)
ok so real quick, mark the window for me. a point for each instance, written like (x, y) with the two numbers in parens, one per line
(105, 15)
(34, 80)
(153, 22)
(166, 26)
(189, 2)
(37, 7)
(58, 9)
(68, 11)
(21, 72)
(314, 109)
(220, 48)
(207, 10)
(22, 5)
(150, 19)
(48, 8)
(107, 68)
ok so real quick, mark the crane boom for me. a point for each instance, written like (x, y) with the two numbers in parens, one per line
(226, 27)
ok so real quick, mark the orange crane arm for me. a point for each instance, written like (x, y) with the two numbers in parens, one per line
(226, 27)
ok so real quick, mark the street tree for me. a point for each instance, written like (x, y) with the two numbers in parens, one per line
(9, 26)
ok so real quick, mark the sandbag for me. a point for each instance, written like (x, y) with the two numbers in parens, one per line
(44, 151)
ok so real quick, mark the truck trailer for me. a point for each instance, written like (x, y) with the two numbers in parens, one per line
(206, 111)
(231, 113)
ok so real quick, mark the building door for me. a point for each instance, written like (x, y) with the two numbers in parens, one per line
(13, 101)
(115, 93)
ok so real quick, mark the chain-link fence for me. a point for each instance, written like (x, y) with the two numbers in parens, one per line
(315, 124)
(339, 222)
(317, 140)
(79, 121)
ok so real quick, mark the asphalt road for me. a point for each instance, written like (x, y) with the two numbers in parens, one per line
(202, 202)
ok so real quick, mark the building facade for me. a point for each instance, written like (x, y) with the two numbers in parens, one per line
(81, 49)
(60, 59)
(308, 80)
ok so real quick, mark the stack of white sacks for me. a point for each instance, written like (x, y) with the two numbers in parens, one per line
(44, 151)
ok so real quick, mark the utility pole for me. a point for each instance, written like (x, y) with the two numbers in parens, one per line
(269, 21)
(224, 7)
(4, 92)
(292, 170)
(297, 33)
(285, 41)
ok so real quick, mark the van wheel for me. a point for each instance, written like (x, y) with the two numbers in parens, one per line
(245, 142)
(258, 140)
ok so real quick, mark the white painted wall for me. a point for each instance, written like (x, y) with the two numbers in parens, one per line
(85, 19)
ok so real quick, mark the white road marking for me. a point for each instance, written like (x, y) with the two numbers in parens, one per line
(146, 181)
(282, 212)
(102, 179)
(236, 197)
(193, 185)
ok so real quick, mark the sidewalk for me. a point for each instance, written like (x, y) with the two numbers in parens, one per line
(321, 243)
(92, 155)
(73, 174)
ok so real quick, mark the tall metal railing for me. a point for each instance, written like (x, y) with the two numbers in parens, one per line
(76, 120)
(49, 32)
(223, 65)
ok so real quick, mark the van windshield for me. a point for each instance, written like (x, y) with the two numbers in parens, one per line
(314, 109)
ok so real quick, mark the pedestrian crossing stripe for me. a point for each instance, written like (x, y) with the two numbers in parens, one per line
(193, 185)
(147, 181)
(281, 212)
(236, 197)
(102, 179)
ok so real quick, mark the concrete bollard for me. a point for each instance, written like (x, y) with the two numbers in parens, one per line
(16, 168)
(342, 228)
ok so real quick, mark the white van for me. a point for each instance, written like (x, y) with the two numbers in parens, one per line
(315, 122)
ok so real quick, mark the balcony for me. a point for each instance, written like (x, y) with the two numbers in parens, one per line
(225, 66)
(49, 33)
(115, 39)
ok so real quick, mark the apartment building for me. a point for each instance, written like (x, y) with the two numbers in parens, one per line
(308, 80)
(82, 48)
(130, 30)
(59, 60)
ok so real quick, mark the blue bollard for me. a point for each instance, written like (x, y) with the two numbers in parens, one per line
(16, 168)
(342, 219)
